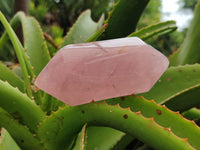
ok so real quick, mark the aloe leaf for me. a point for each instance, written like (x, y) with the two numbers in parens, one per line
(156, 29)
(98, 33)
(123, 142)
(20, 106)
(7, 142)
(192, 114)
(50, 103)
(50, 40)
(189, 51)
(17, 70)
(80, 142)
(102, 138)
(3, 40)
(58, 130)
(163, 116)
(7, 75)
(120, 24)
(34, 42)
(15, 22)
(174, 80)
(19, 133)
(185, 99)
(35, 45)
(82, 29)
(173, 58)
(19, 51)
(37, 50)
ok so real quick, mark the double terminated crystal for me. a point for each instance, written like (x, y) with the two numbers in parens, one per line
(82, 73)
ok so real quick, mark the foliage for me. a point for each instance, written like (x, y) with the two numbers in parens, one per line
(65, 12)
(166, 43)
(31, 119)
(151, 14)
(188, 4)
(7, 8)
(187, 52)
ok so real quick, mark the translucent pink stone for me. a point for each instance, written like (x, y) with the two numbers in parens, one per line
(82, 73)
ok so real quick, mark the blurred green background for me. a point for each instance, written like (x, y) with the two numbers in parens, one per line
(57, 16)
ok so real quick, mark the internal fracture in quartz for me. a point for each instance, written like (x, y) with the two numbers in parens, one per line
(82, 73)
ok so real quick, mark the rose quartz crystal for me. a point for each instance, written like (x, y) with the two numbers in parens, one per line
(82, 73)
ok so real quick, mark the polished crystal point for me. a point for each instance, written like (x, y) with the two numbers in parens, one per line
(82, 73)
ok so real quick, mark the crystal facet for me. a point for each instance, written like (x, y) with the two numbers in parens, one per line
(82, 73)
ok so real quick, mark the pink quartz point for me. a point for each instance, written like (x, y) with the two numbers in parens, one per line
(82, 73)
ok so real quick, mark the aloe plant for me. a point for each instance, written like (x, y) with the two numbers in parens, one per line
(31, 119)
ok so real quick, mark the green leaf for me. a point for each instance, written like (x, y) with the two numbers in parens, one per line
(98, 33)
(122, 20)
(17, 70)
(163, 116)
(80, 142)
(19, 52)
(7, 142)
(50, 104)
(36, 49)
(102, 138)
(185, 100)
(192, 114)
(189, 51)
(20, 106)
(14, 22)
(156, 29)
(83, 29)
(19, 133)
(7, 75)
(58, 130)
(123, 142)
(18, 19)
(35, 45)
(174, 81)
(3, 40)
(173, 58)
